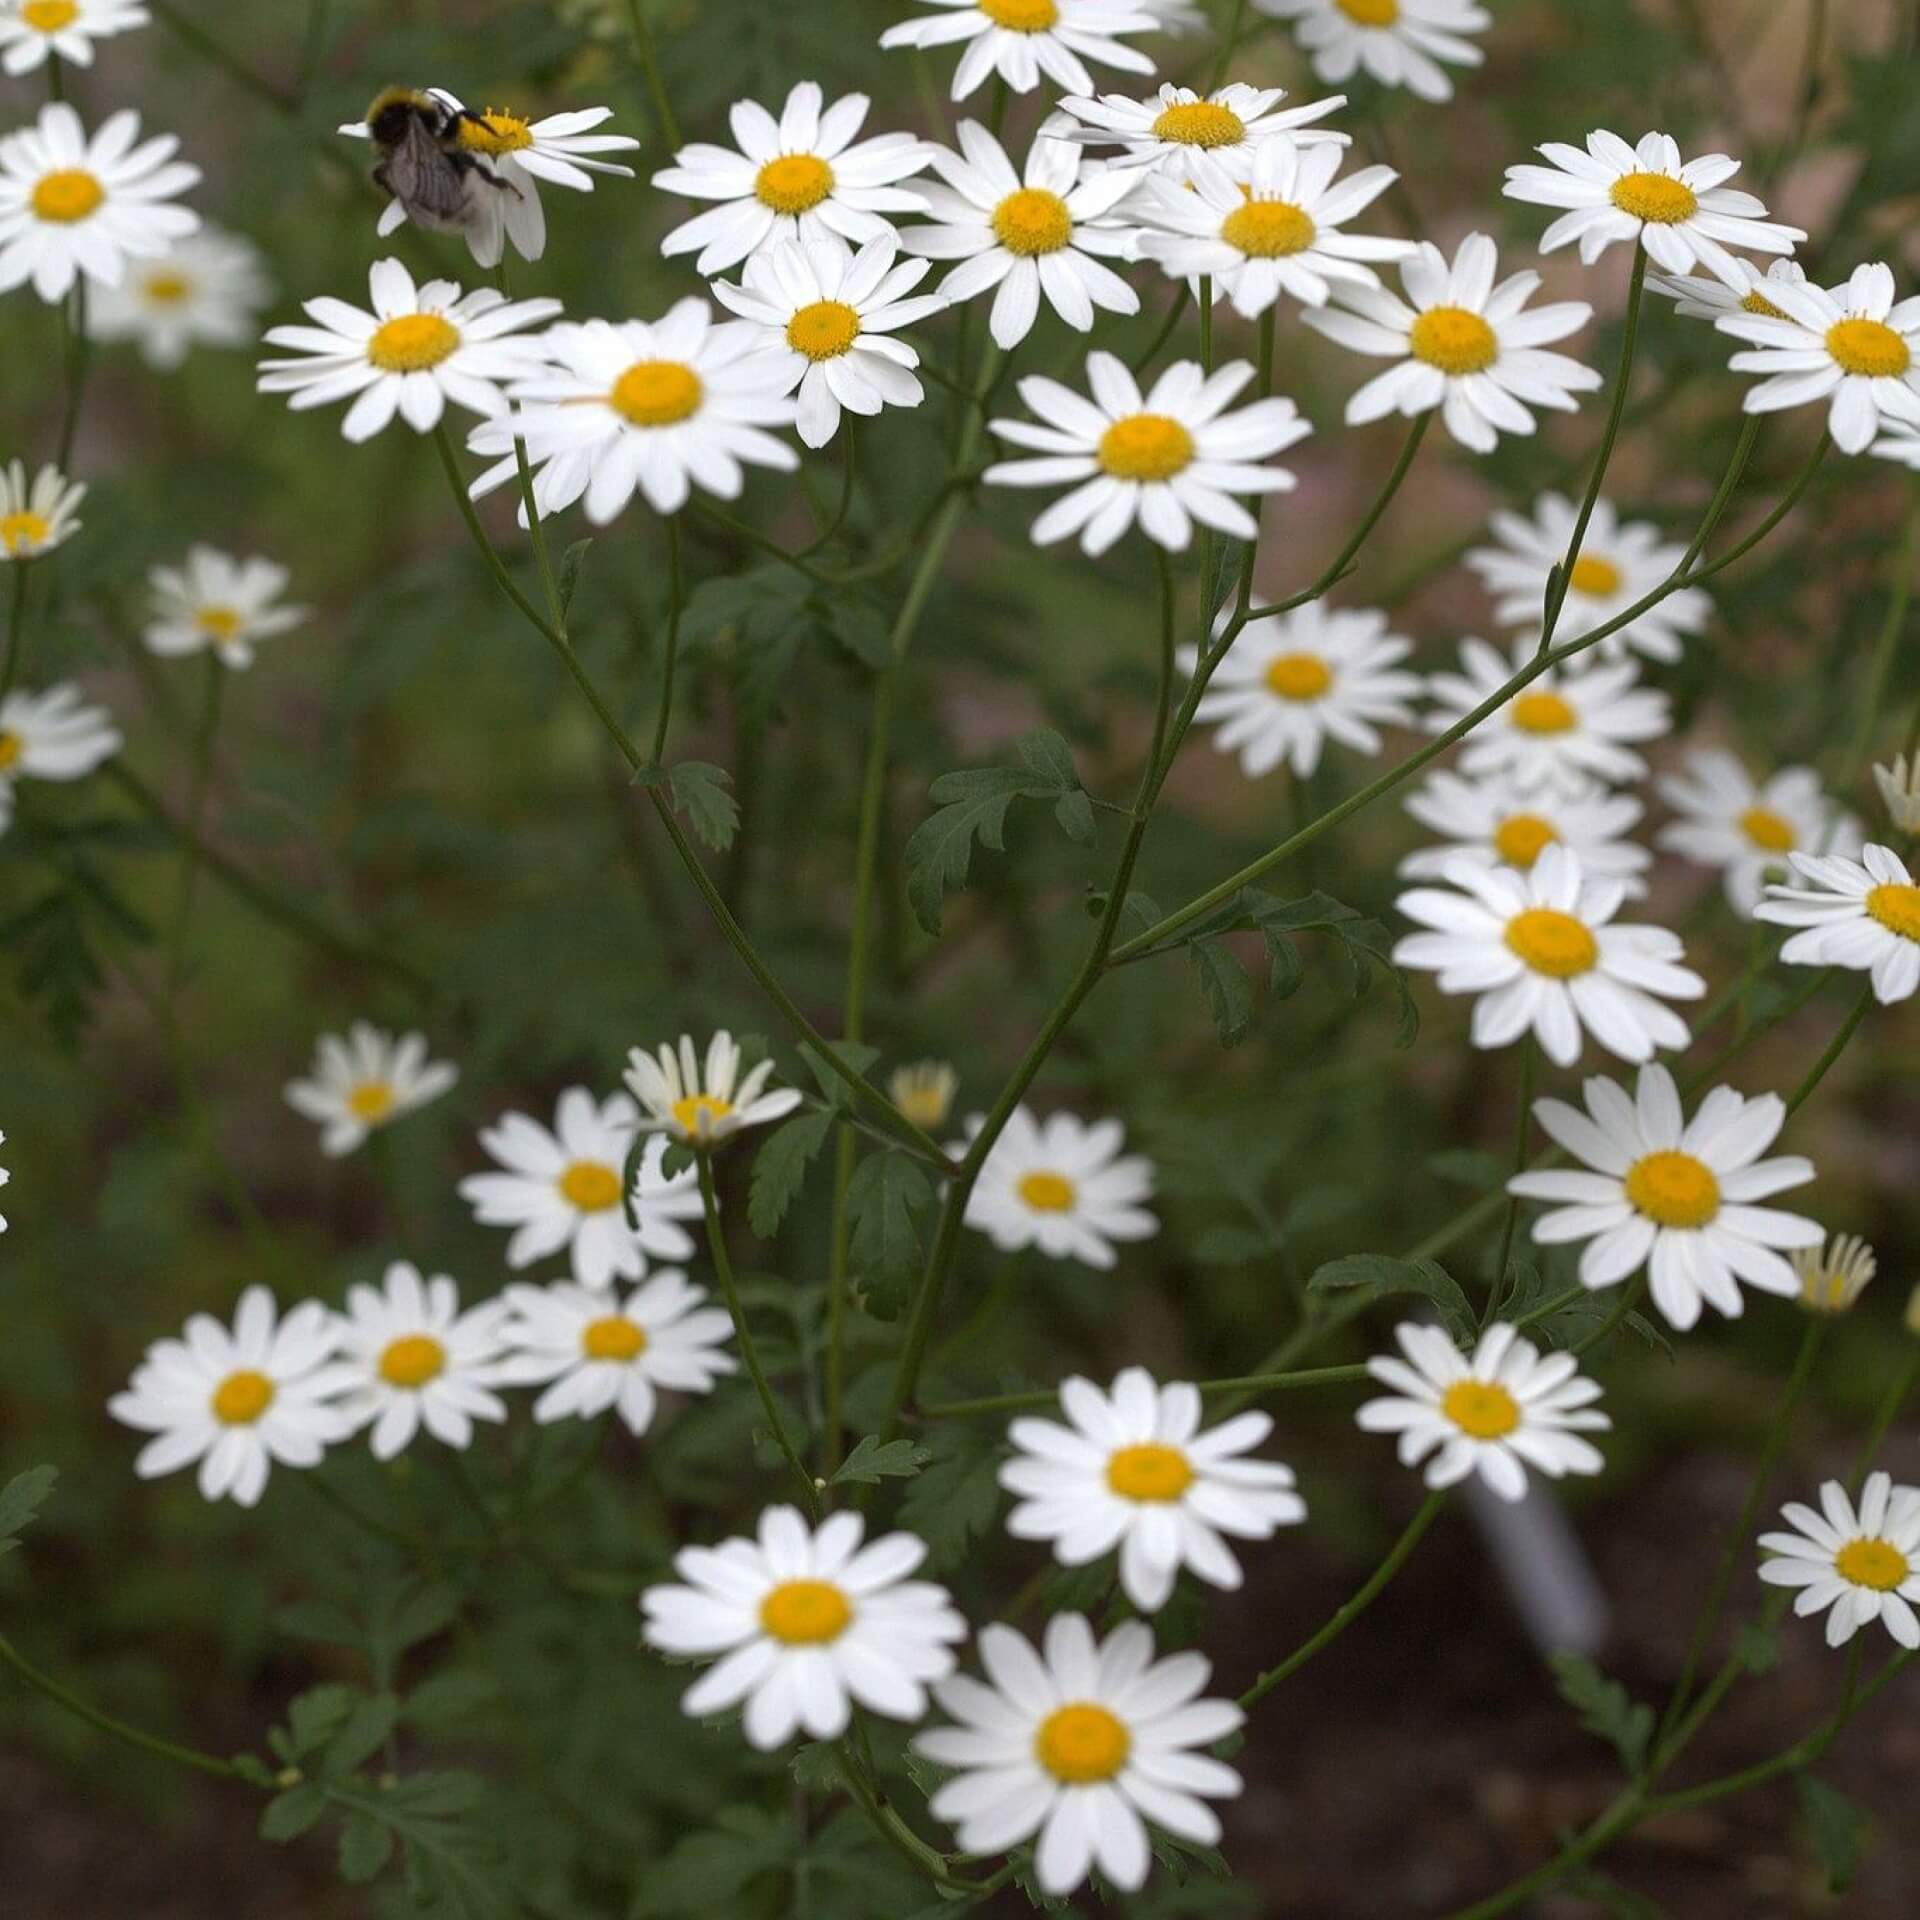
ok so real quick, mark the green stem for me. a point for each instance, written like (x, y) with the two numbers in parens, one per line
(1834, 1048)
(16, 626)
(79, 359)
(675, 603)
(1206, 324)
(650, 66)
(1887, 645)
(196, 820)
(1164, 332)
(1522, 1134)
(1228, 42)
(1266, 351)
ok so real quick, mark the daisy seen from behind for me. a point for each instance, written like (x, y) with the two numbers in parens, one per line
(32, 32)
(807, 1622)
(1169, 132)
(828, 315)
(801, 177)
(51, 736)
(214, 603)
(207, 290)
(418, 1361)
(561, 1187)
(1680, 211)
(1294, 681)
(239, 1399)
(1082, 1742)
(1026, 234)
(1164, 460)
(1675, 1196)
(1862, 914)
(1132, 1470)
(1399, 43)
(1747, 828)
(1853, 346)
(1497, 823)
(417, 349)
(648, 407)
(1020, 40)
(1062, 1186)
(365, 1082)
(1854, 1564)
(704, 1101)
(1466, 346)
(74, 204)
(1495, 1412)
(1540, 954)
(37, 515)
(593, 1351)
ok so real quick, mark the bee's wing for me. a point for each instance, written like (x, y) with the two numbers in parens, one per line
(420, 174)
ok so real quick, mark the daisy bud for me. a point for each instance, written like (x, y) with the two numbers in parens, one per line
(1899, 787)
(924, 1091)
(1913, 1313)
(1833, 1277)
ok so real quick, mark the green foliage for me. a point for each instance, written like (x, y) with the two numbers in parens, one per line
(20, 1502)
(874, 1460)
(885, 1198)
(780, 1167)
(704, 794)
(1367, 1277)
(1605, 1708)
(1836, 1827)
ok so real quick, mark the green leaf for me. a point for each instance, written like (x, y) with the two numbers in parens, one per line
(1757, 1648)
(365, 1844)
(816, 1767)
(874, 1460)
(1226, 989)
(850, 1053)
(570, 563)
(288, 1815)
(707, 1873)
(861, 627)
(1048, 758)
(1074, 811)
(1380, 1276)
(704, 794)
(314, 1717)
(360, 1736)
(21, 1500)
(884, 1198)
(1837, 1827)
(955, 1497)
(780, 1167)
(1605, 1708)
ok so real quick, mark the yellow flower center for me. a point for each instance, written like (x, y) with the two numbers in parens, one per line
(1047, 1192)
(1021, 16)
(824, 330)
(1481, 1408)
(1673, 1189)
(1149, 1472)
(1520, 839)
(656, 393)
(1082, 1744)
(19, 530)
(1767, 829)
(66, 195)
(1454, 340)
(590, 1185)
(412, 342)
(925, 1101)
(166, 289)
(1268, 229)
(49, 16)
(1145, 446)
(1552, 942)
(1370, 13)
(1878, 1564)
(1897, 908)
(371, 1100)
(1870, 348)
(613, 1338)
(1543, 713)
(1827, 1292)
(412, 1360)
(1200, 123)
(1298, 676)
(696, 1113)
(795, 183)
(496, 131)
(1657, 198)
(805, 1613)
(222, 623)
(1032, 221)
(241, 1398)
(10, 750)
(1760, 304)
(1595, 577)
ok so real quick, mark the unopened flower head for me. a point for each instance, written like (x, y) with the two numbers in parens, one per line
(1021, 40)
(1399, 43)
(37, 515)
(1497, 822)
(1863, 914)
(33, 32)
(365, 1082)
(923, 1091)
(1854, 1564)
(214, 603)
(704, 1101)
(1172, 130)
(1062, 1186)
(1833, 1277)
(207, 290)
(1899, 786)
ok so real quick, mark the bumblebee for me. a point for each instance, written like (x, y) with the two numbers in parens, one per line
(437, 181)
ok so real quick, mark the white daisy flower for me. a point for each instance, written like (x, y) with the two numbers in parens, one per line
(1496, 823)
(809, 1621)
(1832, 1278)
(801, 177)
(36, 517)
(1851, 346)
(1084, 1743)
(419, 348)
(1496, 1413)
(1673, 1195)
(923, 1090)
(1702, 297)
(1278, 233)
(34, 31)
(365, 1082)
(1133, 1471)
(73, 205)
(1539, 952)
(1062, 1186)
(1170, 131)
(594, 1350)
(826, 314)
(417, 1360)
(1899, 784)
(215, 601)
(1465, 345)
(1619, 564)
(1863, 914)
(1856, 1566)
(1747, 828)
(238, 1400)
(1680, 211)
(1027, 234)
(562, 1189)
(1400, 43)
(50, 736)
(1176, 18)
(642, 406)
(1167, 460)
(206, 290)
(1899, 441)
(1560, 731)
(704, 1102)
(1022, 39)
(1293, 681)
